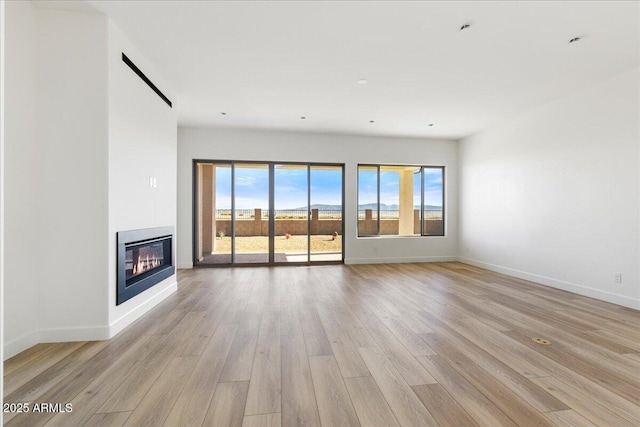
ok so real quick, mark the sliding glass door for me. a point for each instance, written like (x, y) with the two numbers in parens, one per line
(267, 213)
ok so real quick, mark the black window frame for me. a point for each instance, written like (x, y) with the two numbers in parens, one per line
(422, 205)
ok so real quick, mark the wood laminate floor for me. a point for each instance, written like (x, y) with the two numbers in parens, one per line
(442, 344)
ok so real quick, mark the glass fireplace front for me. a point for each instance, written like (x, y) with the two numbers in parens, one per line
(145, 258)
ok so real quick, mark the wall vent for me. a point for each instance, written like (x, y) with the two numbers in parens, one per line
(144, 78)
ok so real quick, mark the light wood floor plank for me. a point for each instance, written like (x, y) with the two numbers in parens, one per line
(464, 353)
(624, 386)
(290, 319)
(43, 381)
(156, 404)
(262, 420)
(191, 405)
(369, 403)
(498, 345)
(517, 408)
(333, 399)
(444, 408)
(403, 402)
(112, 419)
(90, 399)
(134, 388)
(408, 366)
(34, 363)
(241, 355)
(265, 385)
(73, 384)
(314, 335)
(344, 350)
(586, 406)
(483, 411)
(569, 418)
(299, 405)
(227, 405)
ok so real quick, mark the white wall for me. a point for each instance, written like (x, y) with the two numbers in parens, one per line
(21, 179)
(142, 143)
(2, 171)
(73, 216)
(232, 144)
(85, 133)
(553, 196)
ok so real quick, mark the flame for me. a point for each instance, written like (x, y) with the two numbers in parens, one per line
(145, 264)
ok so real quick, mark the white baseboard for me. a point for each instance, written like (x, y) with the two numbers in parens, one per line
(141, 309)
(90, 333)
(400, 260)
(558, 284)
(19, 345)
(184, 264)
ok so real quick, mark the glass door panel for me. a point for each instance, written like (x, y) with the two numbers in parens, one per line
(433, 214)
(251, 213)
(291, 210)
(222, 209)
(367, 200)
(213, 245)
(417, 201)
(326, 213)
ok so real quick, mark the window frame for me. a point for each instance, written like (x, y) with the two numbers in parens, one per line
(422, 199)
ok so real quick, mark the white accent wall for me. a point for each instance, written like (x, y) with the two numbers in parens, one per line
(142, 143)
(554, 195)
(2, 211)
(21, 181)
(72, 203)
(262, 145)
(86, 133)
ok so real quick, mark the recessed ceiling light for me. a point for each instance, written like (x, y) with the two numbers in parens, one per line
(465, 27)
(575, 39)
(362, 81)
(223, 113)
(303, 117)
(430, 124)
(371, 121)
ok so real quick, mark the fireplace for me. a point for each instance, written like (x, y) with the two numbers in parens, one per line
(145, 258)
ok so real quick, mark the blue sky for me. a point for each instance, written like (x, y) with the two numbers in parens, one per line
(390, 187)
(252, 187)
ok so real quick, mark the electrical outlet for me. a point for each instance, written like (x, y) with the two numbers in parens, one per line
(617, 277)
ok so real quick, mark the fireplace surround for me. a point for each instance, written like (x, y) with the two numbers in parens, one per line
(145, 258)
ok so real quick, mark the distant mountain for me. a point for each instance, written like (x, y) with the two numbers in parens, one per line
(383, 207)
(320, 207)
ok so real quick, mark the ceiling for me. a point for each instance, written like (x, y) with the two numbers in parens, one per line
(267, 64)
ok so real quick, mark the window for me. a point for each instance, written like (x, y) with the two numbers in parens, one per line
(396, 200)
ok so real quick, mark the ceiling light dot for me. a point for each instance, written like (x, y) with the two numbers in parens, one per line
(465, 27)
(303, 117)
(362, 81)
(371, 121)
(430, 124)
(575, 39)
(223, 113)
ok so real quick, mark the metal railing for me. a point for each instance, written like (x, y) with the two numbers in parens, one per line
(395, 214)
(222, 214)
